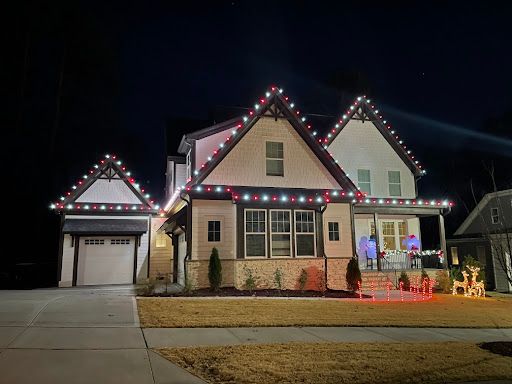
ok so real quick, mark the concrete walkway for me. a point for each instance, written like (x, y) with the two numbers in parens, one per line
(182, 337)
(78, 336)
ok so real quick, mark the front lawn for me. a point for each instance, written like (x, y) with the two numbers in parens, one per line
(338, 363)
(441, 311)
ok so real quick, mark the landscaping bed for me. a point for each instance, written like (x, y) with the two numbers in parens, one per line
(338, 363)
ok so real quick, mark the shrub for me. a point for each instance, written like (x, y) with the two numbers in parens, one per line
(278, 278)
(469, 261)
(250, 279)
(321, 283)
(353, 275)
(404, 278)
(147, 288)
(443, 281)
(215, 270)
(303, 279)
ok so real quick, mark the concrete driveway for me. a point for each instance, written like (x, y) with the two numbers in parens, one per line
(78, 335)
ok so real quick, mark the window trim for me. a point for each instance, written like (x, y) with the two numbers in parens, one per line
(208, 220)
(333, 221)
(314, 233)
(255, 233)
(399, 183)
(365, 182)
(456, 255)
(282, 233)
(396, 231)
(495, 215)
(272, 158)
(188, 166)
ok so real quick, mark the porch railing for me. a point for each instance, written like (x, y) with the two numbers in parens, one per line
(401, 261)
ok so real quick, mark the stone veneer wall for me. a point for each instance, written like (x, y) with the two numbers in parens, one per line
(234, 272)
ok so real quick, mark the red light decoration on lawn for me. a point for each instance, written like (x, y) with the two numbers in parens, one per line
(401, 291)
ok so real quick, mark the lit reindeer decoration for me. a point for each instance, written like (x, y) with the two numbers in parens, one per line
(461, 284)
(475, 288)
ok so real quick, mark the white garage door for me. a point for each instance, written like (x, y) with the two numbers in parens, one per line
(105, 260)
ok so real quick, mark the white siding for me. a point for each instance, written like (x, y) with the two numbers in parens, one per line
(68, 256)
(108, 191)
(246, 163)
(361, 146)
(181, 175)
(206, 145)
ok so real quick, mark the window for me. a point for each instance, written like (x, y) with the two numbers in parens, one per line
(213, 230)
(394, 235)
(280, 233)
(495, 215)
(363, 181)
(255, 233)
(333, 228)
(161, 240)
(94, 241)
(394, 183)
(119, 241)
(274, 156)
(189, 166)
(455, 255)
(305, 233)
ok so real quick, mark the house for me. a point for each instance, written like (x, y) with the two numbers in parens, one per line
(108, 226)
(271, 195)
(486, 235)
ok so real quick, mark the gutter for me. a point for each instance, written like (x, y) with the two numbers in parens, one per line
(322, 210)
(185, 230)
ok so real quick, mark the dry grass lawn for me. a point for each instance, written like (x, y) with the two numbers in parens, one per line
(442, 311)
(337, 363)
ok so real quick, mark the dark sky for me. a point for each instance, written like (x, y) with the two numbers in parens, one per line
(83, 78)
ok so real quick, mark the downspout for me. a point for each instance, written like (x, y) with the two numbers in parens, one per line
(322, 210)
(187, 254)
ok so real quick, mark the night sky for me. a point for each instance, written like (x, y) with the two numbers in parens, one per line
(85, 78)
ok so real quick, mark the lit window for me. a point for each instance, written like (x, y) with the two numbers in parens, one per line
(213, 231)
(255, 233)
(495, 216)
(363, 181)
(394, 235)
(395, 188)
(280, 233)
(161, 240)
(334, 230)
(274, 158)
(455, 255)
(305, 233)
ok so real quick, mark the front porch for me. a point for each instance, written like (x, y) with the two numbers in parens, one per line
(390, 238)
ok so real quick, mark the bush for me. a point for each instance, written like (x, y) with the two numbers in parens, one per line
(443, 281)
(250, 279)
(303, 279)
(353, 275)
(278, 278)
(215, 270)
(147, 288)
(404, 278)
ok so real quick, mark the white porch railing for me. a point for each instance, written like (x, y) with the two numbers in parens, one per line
(403, 260)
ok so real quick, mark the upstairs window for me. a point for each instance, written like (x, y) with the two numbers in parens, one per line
(213, 231)
(274, 158)
(395, 188)
(363, 181)
(495, 216)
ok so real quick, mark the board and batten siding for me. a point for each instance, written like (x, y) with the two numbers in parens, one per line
(114, 191)
(361, 146)
(245, 164)
(340, 213)
(160, 257)
(205, 210)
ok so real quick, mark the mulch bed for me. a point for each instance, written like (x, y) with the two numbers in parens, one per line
(230, 292)
(503, 348)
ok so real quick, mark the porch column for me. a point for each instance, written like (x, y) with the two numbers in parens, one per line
(377, 240)
(442, 240)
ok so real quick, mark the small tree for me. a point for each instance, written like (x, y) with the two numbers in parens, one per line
(215, 270)
(353, 275)
(250, 279)
(278, 278)
(443, 281)
(469, 261)
(303, 279)
(404, 278)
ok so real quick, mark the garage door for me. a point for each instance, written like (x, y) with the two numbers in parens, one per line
(105, 260)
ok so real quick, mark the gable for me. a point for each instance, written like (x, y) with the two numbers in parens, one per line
(245, 164)
(114, 191)
(360, 145)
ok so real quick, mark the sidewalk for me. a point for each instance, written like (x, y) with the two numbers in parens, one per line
(183, 337)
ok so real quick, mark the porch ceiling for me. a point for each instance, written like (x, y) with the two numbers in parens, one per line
(402, 210)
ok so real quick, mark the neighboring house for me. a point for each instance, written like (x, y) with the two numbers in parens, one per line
(108, 225)
(486, 235)
(270, 195)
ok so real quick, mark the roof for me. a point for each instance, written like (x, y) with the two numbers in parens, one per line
(363, 109)
(479, 208)
(274, 104)
(109, 168)
(105, 226)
